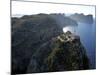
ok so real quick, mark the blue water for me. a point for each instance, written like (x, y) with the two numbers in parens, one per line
(87, 33)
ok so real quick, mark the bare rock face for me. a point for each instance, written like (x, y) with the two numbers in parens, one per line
(57, 55)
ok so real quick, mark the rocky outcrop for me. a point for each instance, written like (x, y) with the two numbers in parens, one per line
(82, 18)
(57, 55)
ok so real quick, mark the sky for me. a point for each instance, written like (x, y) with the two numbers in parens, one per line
(29, 8)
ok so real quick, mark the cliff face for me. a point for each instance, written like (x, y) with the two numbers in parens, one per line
(58, 55)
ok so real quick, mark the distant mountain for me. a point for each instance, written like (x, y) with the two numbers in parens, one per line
(82, 18)
(34, 38)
